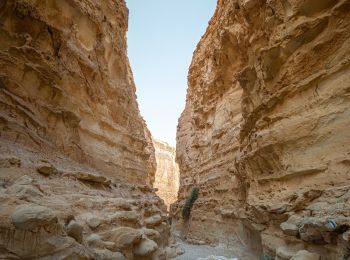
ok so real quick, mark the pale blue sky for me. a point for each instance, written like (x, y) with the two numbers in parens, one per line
(162, 37)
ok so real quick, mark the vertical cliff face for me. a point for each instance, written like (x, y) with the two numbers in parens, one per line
(66, 84)
(167, 174)
(264, 134)
(76, 158)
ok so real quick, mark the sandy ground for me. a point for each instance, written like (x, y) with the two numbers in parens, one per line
(236, 251)
(197, 251)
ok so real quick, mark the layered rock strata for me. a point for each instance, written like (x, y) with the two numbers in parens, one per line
(66, 84)
(76, 158)
(265, 131)
(167, 174)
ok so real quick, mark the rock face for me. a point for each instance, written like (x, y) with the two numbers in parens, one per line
(265, 131)
(167, 174)
(76, 158)
(66, 85)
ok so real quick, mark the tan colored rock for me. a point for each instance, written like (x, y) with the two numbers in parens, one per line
(106, 254)
(167, 177)
(67, 86)
(145, 247)
(91, 220)
(75, 230)
(10, 162)
(90, 177)
(153, 221)
(73, 145)
(126, 216)
(31, 217)
(289, 229)
(305, 255)
(123, 237)
(265, 126)
(151, 234)
(46, 169)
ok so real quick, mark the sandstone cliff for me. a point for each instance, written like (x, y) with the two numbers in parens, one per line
(167, 174)
(76, 158)
(66, 84)
(265, 131)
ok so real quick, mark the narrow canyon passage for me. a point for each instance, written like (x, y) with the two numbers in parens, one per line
(261, 165)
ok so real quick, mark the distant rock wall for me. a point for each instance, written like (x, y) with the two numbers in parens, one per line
(76, 158)
(265, 132)
(167, 174)
(66, 84)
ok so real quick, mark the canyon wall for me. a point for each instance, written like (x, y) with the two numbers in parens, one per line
(66, 85)
(76, 158)
(167, 174)
(265, 131)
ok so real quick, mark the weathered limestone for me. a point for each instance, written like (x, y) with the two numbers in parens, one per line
(66, 85)
(167, 177)
(265, 131)
(76, 158)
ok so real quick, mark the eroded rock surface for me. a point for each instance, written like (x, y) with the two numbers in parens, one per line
(265, 132)
(167, 177)
(63, 217)
(66, 84)
(76, 159)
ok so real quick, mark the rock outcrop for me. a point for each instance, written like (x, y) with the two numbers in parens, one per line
(167, 174)
(66, 85)
(265, 131)
(76, 159)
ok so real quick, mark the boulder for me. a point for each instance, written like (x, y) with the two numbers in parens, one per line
(91, 220)
(153, 221)
(75, 230)
(145, 247)
(174, 250)
(95, 241)
(287, 252)
(31, 216)
(315, 229)
(106, 254)
(126, 216)
(24, 191)
(123, 237)
(289, 229)
(151, 233)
